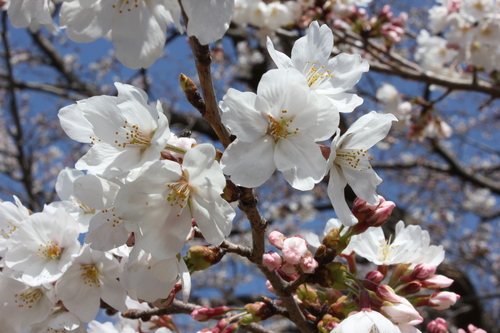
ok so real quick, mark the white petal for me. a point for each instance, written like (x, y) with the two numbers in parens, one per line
(300, 160)
(74, 124)
(368, 130)
(364, 183)
(316, 45)
(240, 115)
(249, 164)
(280, 59)
(336, 187)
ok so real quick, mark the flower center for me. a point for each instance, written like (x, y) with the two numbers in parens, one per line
(50, 250)
(280, 129)
(131, 135)
(386, 249)
(86, 209)
(90, 276)
(125, 5)
(179, 193)
(316, 75)
(353, 158)
(28, 297)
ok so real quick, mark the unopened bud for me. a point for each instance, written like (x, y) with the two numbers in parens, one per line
(423, 271)
(437, 282)
(386, 293)
(259, 310)
(437, 325)
(371, 215)
(272, 260)
(205, 313)
(375, 276)
(231, 328)
(412, 287)
(308, 265)
(276, 238)
(442, 300)
(294, 250)
(201, 257)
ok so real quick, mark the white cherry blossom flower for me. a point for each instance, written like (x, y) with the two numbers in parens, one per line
(44, 247)
(349, 163)
(366, 321)
(138, 28)
(161, 201)
(325, 76)
(91, 277)
(11, 217)
(26, 304)
(409, 246)
(277, 128)
(125, 131)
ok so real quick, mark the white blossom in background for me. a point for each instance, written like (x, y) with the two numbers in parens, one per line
(325, 76)
(44, 247)
(138, 29)
(92, 277)
(164, 197)
(411, 245)
(349, 163)
(125, 132)
(433, 52)
(479, 200)
(390, 98)
(366, 321)
(11, 217)
(277, 128)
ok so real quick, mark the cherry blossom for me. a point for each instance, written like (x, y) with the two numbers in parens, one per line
(277, 129)
(329, 77)
(161, 201)
(125, 132)
(349, 163)
(23, 13)
(366, 321)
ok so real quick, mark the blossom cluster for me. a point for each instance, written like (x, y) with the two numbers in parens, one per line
(466, 31)
(140, 194)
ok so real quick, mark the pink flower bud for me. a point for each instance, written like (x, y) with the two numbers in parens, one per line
(401, 313)
(423, 271)
(271, 260)
(442, 300)
(294, 250)
(438, 325)
(308, 265)
(276, 238)
(205, 313)
(374, 276)
(437, 282)
(474, 329)
(388, 294)
(288, 268)
(371, 215)
(270, 287)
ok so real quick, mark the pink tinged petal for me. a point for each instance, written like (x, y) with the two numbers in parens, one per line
(346, 70)
(212, 214)
(249, 164)
(300, 160)
(280, 59)
(139, 35)
(86, 21)
(240, 115)
(74, 123)
(315, 46)
(336, 186)
(205, 23)
(368, 130)
(294, 250)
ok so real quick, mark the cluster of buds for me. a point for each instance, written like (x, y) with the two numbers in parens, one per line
(371, 215)
(384, 25)
(439, 325)
(295, 256)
